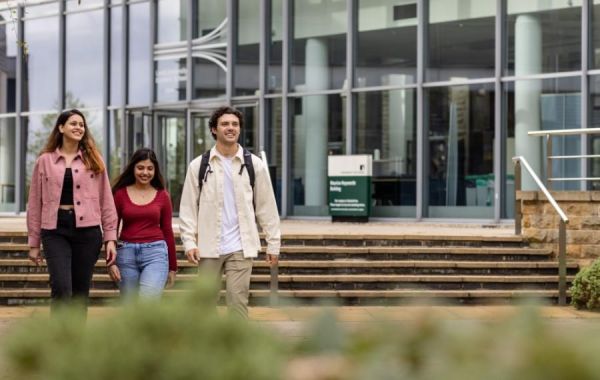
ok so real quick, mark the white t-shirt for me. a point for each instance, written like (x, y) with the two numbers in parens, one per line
(231, 239)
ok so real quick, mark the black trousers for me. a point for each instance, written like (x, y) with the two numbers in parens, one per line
(71, 254)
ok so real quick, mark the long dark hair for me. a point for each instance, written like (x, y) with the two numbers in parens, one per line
(128, 177)
(91, 156)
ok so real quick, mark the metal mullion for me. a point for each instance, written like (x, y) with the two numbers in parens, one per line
(106, 80)
(499, 140)
(459, 82)
(316, 92)
(285, 116)
(566, 74)
(20, 142)
(153, 38)
(351, 27)
(586, 18)
(62, 43)
(263, 19)
(124, 80)
(231, 40)
(421, 190)
(189, 128)
(357, 90)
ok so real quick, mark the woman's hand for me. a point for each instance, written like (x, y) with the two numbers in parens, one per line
(171, 279)
(35, 255)
(111, 252)
(114, 273)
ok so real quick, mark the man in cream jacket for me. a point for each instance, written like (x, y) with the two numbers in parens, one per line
(218, 222)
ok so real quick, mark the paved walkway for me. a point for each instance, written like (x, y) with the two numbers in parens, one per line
(325, 227)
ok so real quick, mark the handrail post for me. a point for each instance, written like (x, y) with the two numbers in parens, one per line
(562, 263)
(274, 296)
(548, 162)
(518, 213)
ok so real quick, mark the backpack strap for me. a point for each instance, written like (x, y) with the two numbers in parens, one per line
(249, 167)
(202, 173)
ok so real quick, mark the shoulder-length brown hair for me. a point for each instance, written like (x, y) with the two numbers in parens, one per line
(91, 156)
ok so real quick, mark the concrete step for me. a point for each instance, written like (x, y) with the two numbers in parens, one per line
(346, 297)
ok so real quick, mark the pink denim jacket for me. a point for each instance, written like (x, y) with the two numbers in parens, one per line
(92, 197)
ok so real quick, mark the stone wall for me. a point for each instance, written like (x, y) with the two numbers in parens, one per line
(540, 222)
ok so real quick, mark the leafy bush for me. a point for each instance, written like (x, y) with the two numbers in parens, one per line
(585, 291)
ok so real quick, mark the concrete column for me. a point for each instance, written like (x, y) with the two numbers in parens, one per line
(400, 123)
(7, 164)
(314, 111)
(528, 60)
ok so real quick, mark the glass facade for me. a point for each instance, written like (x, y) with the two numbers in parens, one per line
(441, 93)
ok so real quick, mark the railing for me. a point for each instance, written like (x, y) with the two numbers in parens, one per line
(274, 268)
(562, 228)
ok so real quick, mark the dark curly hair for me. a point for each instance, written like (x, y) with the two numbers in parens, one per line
(214, 118)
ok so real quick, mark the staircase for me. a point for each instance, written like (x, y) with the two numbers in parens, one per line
(347, 269)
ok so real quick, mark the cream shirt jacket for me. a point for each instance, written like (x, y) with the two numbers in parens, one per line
(200, 222)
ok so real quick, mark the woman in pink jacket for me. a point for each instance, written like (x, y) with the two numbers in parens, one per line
(70, 199)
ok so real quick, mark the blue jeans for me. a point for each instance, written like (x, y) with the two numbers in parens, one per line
(143, 267)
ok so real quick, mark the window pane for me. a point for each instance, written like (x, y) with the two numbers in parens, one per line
(37, 129)
(116, 56)
(247, 48)
(319, 45)
(139, 54)
(461, 151)
(172, 21)
(594, 140)
(7, 164)
(41, 10)
(386, 129)
(461, 39)
(209, 79)
(115, 148)
(170, 80)
(84, 60)
(77, 5)
(8, 74)
(274, 46)
(538, 104)
(210, 14)
(249, 133)
(41, 65)
(273, 145)
(317, 130)
(543, 36)
(386, 45)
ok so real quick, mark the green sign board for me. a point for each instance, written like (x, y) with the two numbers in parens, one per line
(349, 196)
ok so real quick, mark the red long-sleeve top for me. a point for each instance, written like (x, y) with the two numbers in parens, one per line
(147, 223)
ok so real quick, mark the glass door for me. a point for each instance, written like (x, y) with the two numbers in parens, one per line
(139, 131)
(170, 148)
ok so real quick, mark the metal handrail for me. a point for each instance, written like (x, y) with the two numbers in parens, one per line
(562, 228)
(564, 132)
(274, 268)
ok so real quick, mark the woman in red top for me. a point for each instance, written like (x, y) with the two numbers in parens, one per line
(146, 258)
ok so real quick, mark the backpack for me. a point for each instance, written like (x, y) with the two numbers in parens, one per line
(204, 166)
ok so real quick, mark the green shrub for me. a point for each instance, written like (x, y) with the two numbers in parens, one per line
(585, 291)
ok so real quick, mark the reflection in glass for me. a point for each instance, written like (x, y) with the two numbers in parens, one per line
(172, 21)
(386, 129)
(170, 80)
(78, 5)
(7, 164)
(460, 146)
(273, 145)
(41, 10)
(116, 56)
(40, 72)
(84, 59)
(317, 131)
(139, 54)
(247, 48)
(538, 104)
(249, 133)
(37, 129)
(209, 15)
(274, 47)
(595, 34)
(543, 36)
(203, 140)
(209, 79)
(461, 40)
(8, 60)
(116, 145)
(594, 140)
(172, 152)
(318, 46)
(386, 43)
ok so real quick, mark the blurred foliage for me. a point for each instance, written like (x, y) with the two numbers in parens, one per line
(183, 337)
(585, 291)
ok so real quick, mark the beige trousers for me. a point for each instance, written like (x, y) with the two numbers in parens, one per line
(237, 271)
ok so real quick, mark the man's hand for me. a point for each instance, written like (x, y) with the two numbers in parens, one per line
(271, 259)
(35, 255)
(114, 273)
(171, 279)
(111, 252)
(193, 255)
